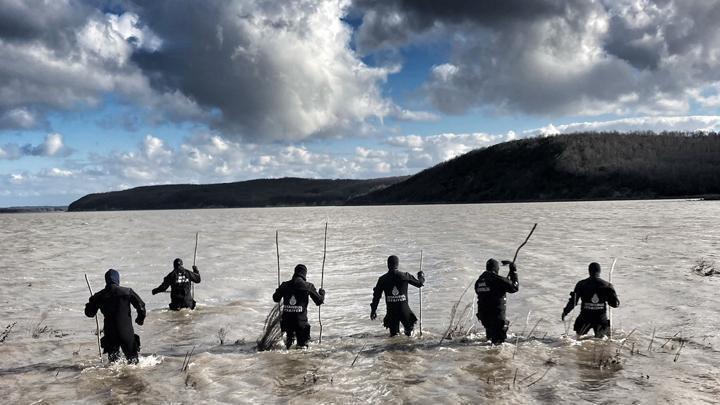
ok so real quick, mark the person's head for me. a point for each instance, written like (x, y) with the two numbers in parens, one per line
(492, 265)
(393, 262)
(112, 277)
(301, 271)
(594, 269)
(177, 263)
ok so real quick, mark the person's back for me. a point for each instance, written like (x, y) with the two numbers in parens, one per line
(394, 284)
(180, 280)
(491, 289)
(593, 294)
(295, 295)
(114, 303)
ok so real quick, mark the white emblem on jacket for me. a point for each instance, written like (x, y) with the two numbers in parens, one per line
(594, 304)
(396, 296)
(292, 307)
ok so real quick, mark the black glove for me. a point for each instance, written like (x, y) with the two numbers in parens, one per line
(511, 264)
(321, 292)
(155, 291)
(564, 314)
(420, 274)
(195, 269)
(139, 321)
(373, 313)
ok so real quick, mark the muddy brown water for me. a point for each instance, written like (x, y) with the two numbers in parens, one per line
(43, 258)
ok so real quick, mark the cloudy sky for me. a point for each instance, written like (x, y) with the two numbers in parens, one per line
(103, 95)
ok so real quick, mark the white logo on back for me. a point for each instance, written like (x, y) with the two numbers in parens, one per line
(292, 301)
(395, 291)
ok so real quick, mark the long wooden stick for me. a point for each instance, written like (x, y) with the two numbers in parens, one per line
(97, 324)
(421, 263)
(277, 248)
(612, 268)
(192, 285)
(322, 278)
(523, 244)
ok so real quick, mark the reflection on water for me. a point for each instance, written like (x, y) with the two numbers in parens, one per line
(44, 257)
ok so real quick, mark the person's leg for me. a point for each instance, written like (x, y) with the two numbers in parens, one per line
(392, 322)
(488, 328)
(501, 332)
(111, 347)
(602, 328)
(582, 326)
(497, 331)
(130, 349)
(289, 337)
(408, 326)
(394, 326)
(303, 335)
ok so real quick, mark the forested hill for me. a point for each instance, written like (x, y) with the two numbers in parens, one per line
(569, 167)
(253, 193)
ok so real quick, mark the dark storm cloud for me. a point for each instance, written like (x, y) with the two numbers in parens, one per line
(390, 22)
(552, 56)
(273, 70)
(52, 21)
(270, 70)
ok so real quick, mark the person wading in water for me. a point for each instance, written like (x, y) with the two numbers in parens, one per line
(295, 295)
(594, 294)
(179, 280)
(114, 303)
(491, 289)
(395, 285)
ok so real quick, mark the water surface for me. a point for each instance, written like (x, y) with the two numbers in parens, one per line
(43, 258)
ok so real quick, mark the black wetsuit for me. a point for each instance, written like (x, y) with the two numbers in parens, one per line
(295, 295)
(491, 289)
(179, 280)
(395, 285)
(114, 303)
(594, 294)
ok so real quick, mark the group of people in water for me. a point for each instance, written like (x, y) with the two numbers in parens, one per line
(593, 294)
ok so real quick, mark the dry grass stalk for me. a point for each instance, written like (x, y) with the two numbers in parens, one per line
(453, 312)
(271, 330)
(39, 328)
(186, 361)
(358, 354)
(541, 377)
(222, 334)
(6, 332)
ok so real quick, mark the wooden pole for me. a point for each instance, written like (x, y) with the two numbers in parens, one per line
(192, 285)
(277, 249)
(421, 263)
(322, 278)
(612, 268)
(97, 324)
(523, 244)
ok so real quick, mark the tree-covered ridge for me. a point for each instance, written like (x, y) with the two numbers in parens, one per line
(569, 167)
(253, 193)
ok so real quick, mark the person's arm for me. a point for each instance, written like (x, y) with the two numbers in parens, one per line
(277, 296)
(377, 294)
(572, 302)
(510, 283)
(417, 282)
(317, 297)
(91, 307)
(194, 275)
(139, 305)
(612, 298)
(164, 285)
